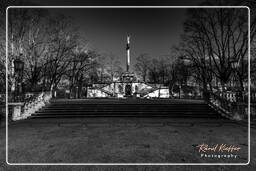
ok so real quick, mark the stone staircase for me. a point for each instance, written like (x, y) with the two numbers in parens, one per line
(64, 108)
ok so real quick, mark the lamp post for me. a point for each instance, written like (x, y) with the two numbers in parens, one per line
(235, 65)
(18, 70)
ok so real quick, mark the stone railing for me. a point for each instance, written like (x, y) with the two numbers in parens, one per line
(161, 92)
(230, 104)
(22, 110)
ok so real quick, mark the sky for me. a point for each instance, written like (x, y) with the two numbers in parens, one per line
(152, 30)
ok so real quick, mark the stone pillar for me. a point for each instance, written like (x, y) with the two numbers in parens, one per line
(16, 110)
(114, 89)
(76, 92)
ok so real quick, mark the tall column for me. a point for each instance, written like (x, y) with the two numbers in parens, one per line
(128, 53)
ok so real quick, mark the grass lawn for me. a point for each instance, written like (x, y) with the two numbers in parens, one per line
(122, 140)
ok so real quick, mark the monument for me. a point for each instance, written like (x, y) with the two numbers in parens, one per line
(128, 77)
(128, 86)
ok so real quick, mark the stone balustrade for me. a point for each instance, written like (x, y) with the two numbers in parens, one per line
(16, 110)
(230, 104)
(22, 110)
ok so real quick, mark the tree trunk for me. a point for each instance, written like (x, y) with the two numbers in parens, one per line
(144, 77)
(205, 90)
(240, 96)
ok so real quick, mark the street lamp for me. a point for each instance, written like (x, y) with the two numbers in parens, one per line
(235, 65)
(18, 69)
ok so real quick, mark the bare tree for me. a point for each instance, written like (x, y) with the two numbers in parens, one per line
(195, 52)
(142, 65)
(114, 66)
(83, 60)
(220, 35)
(153, 71)
(51, 49)
(25, 43)
(101, 71)
(2, 50)
(35, 46)
(63, 40)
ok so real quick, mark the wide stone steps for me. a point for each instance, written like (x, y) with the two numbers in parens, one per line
(126, 108)
(118, 115)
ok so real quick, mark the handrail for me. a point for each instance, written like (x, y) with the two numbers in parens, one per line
(36, 102)
(228, 104)
(144, 94)
(101, 86)
(104, 91)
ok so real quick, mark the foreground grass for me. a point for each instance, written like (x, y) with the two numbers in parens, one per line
(121, 141)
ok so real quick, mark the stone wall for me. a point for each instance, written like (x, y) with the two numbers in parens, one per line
(117, 89)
